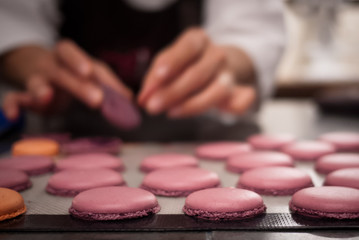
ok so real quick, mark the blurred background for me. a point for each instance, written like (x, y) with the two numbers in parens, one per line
(321, 59)
(318, 72)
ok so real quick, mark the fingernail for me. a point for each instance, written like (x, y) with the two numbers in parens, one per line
(154, 105)
(175, 113)
(84, 69)
(42, 92)
(162, 71)
(94, 96)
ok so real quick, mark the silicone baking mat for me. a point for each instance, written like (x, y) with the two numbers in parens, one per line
(50, 213)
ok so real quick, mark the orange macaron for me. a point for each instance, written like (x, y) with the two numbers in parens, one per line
(12, 204)
(38, 146)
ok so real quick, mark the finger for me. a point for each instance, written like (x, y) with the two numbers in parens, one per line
(171, 61)
(193, 79)
(242, 98)
(215, 93)
(86, 91)
(40, 90)
(104, 74)
(12, 103)
(74, 58)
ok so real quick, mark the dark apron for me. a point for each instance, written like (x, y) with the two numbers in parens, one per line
(127, 40)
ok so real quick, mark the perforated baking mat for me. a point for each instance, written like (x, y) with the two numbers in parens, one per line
(50, 213)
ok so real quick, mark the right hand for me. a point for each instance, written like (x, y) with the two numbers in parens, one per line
(50, 78)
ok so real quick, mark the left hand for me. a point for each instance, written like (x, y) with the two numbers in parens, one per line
(194, 75)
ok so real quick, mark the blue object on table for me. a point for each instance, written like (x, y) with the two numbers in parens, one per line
(10, 130)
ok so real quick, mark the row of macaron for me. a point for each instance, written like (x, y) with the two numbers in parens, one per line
(80, 171)
(239, 162)
(215, 204)
(55, 143)
(241, 158)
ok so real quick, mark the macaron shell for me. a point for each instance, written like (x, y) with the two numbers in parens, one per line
(118, 110)
(38, 146)
(32, 165)
(337, 161)
(57, 137)
(343, 141)
(181, 179)
(92, 145)
(114, 200)
(77, 180)
(224, 200)
(14, 179)
(347, 177)
(275, 180)
(328, 199)
(221, 150)
(270, 142)
(308, 150)
(12, 204)
(90, 160)
(245, 161)
(167, 160)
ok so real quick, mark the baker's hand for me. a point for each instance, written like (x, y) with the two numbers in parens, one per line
(194, 75)
(51, 78)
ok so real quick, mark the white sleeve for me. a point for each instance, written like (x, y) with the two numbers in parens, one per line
(256, 26)
(28, 22)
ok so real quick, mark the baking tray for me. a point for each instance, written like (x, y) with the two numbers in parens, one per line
(50, 213)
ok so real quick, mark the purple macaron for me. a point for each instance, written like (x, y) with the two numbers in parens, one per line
(113, 203)
(90, 161)
(326, 202)
(31, 165)
(70, 182)
(92, 145)
(118, 110)
(180, 181)
(276, 181)
(223, 204)
(14, 179)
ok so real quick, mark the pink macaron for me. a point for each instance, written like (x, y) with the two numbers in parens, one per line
(276, 181)
(308, 150)
(32, 165)
(167, 160)
(113, 203)
(57, 137)
(337, 161)
(343, 141)
(223, 204)
(118, 110)
(14, 179)
(73, 181)
(245, 161)
(90, 160)
(270, 141)
(92, 145)
(181, 181)
(221, 150)
(346, 177)
(326, 202)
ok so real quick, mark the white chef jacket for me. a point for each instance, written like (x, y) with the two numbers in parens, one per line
(255, 26)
